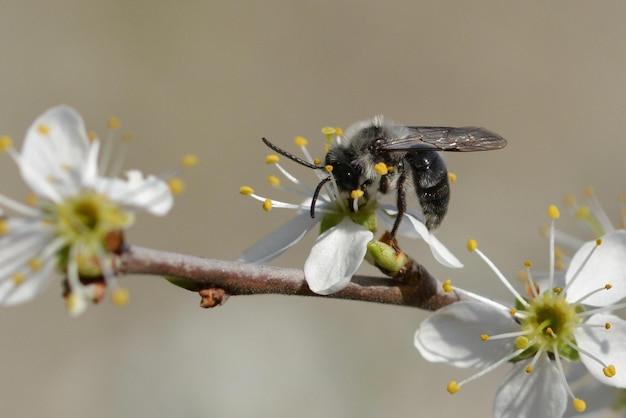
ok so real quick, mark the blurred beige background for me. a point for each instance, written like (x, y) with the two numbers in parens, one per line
(212, 78)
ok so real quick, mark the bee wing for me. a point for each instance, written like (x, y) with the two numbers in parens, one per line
(437, 138)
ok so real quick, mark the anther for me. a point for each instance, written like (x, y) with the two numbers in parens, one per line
(176, 185)
(271, 159)
(472, 245)
(452, 177)
(381, 169)
(484, 337)
(120, 297)
(246, 190)
(114, 123)
(5, 143)
(447, 286)
(267, 205)
(553, 212)
(301, 141)
(453, 387)
(43, 129)
(274, 181)
(579, 405)
(189, 161)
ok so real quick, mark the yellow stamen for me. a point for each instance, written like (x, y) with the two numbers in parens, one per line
(317, 161)
(301, 141)
(120, 297)
(271, 159)
(381, 168)
(176, 185)
(355, 194)
(472, 245)
(34, 264)
(452, 177)
(43, 129)
(607, 325)
(18, 279)
(579, 405)
(4, 226)
(529, 369)
(484, 337)
(274, 181)
(609, 371)
(453, 387)
(246, 190)
(329, 168)
(588, 191)
(32, 199)
(570, 201)
(447, 286)
(267, 205)
(528, 264)
(599, 241)
(114, 123)
(189, 161)
(328, 130)
(5, 143)
(553, 212)
(608, 286)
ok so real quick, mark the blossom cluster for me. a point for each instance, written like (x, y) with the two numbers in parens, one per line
(74, 220)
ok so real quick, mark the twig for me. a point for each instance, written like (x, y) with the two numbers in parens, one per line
(217, 279)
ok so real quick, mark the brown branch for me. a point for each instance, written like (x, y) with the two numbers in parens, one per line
(217, 279)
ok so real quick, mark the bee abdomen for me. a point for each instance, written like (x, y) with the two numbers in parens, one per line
(430, 178)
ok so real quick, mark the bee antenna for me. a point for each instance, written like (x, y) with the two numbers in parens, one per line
(318, 189)
(291, 156)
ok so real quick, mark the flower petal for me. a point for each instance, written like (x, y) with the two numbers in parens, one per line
(151, 194)
(55, 153)
(607, 345)
(606, 265)
(336, 255)
(412, 227)
(279, 241)
(538, 394)
(452, 335)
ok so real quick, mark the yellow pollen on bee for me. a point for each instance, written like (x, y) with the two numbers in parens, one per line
(18, 279)
(381, 169)
(114, 123)
(447, 286)
(271, 159)
(246, 190)
(570, 201)
(484, 337)
(176, 185)
(452, 177)
(4, 226)
(355, 194)
(317, 161)
(522, 342)
(529, 369)
(274, 181)
(588, 191)
(472, 245)
(189, 161)
(43, 129)
(553, 212)
(5, 143)
(579, 405)
(328, 168)
(267, 205)
(453, 387)
(301, 141)
(34, 264)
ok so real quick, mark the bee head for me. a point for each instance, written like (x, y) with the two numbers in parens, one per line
(347, 174)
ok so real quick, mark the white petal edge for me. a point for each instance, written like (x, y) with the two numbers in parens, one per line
(150, 194)
(608, 345)
(606, 265)
(452, 335)
(336, 255)
(61, 154)
(531, 395)
(31, 287)
(279, 241)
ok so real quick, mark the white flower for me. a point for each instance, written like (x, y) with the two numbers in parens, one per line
(570, 323)
(75, 217)
(344, 231)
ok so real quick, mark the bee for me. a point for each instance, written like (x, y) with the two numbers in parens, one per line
(411, 155)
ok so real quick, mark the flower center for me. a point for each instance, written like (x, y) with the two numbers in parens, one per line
(551, 319)
(88, 217)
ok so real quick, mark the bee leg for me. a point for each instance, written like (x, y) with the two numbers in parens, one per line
(400, 203)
